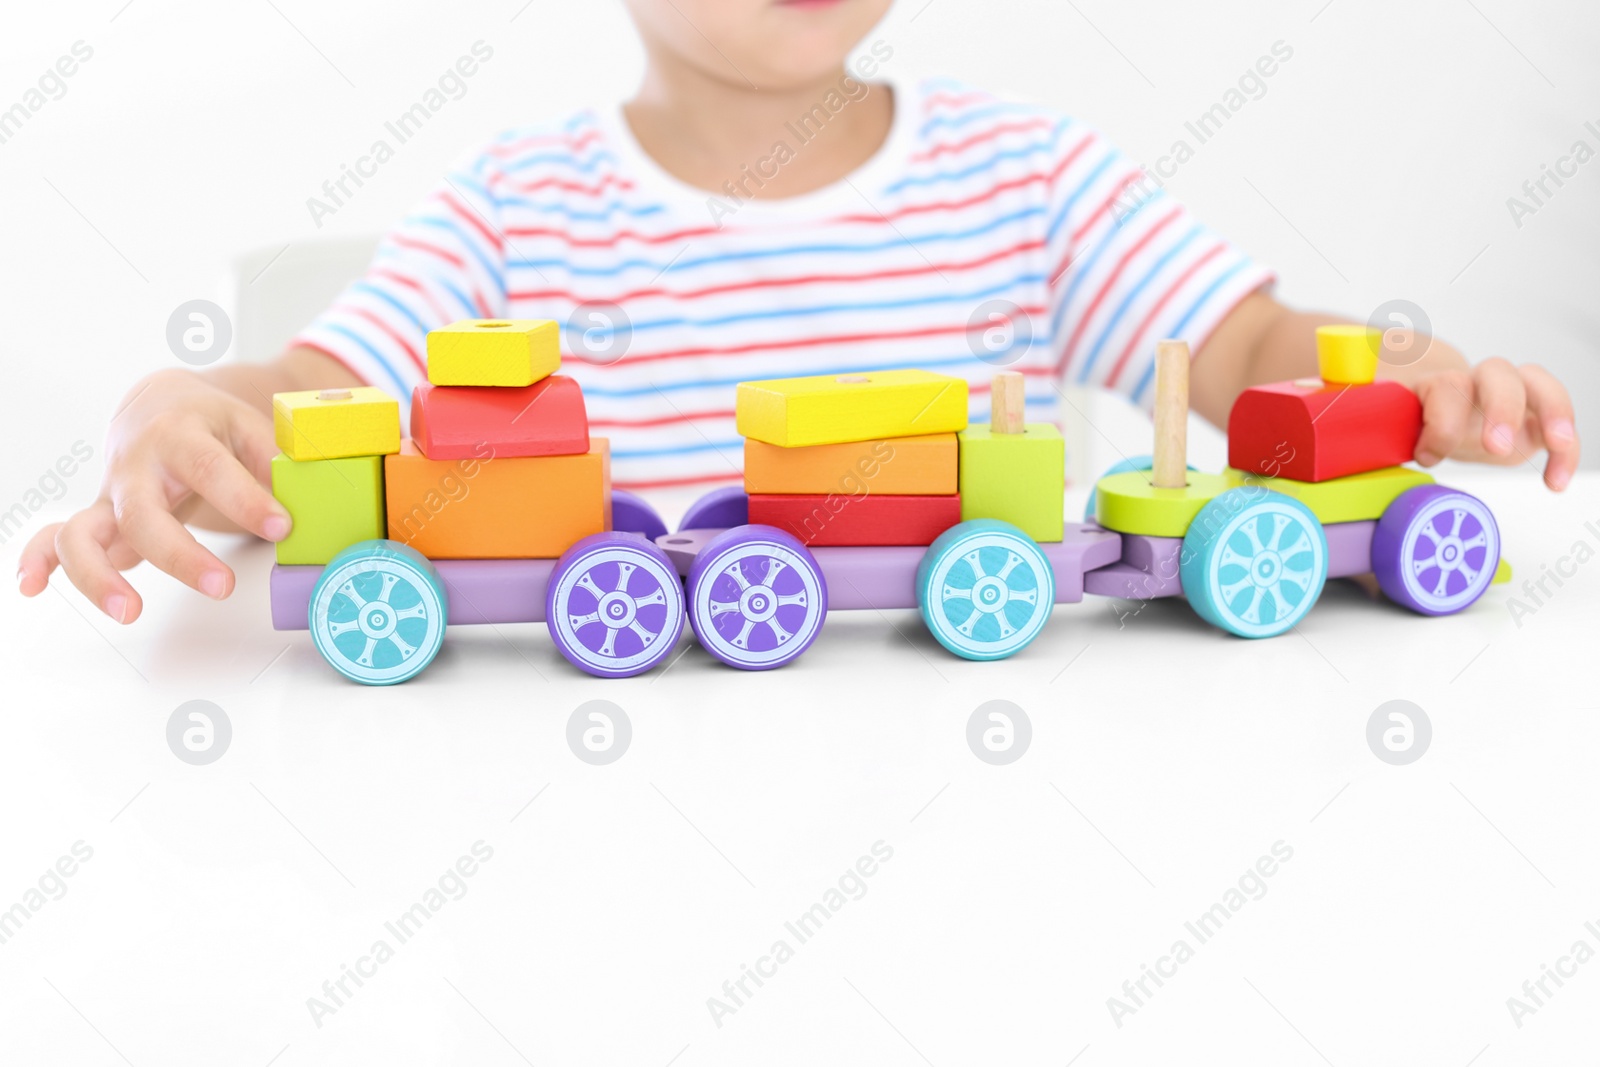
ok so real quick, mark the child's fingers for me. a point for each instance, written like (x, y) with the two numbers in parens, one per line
(1504, 403)
(80, 545)
(148, 525)
(1446, 414)
(38, 561)
(205, 466)
(1549, 403)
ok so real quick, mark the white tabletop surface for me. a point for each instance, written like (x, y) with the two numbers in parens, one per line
(1166, 760)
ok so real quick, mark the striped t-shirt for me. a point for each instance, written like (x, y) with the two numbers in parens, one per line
(983, 235)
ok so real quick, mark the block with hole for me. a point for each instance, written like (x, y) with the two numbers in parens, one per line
(494, 352)
(1012, 470)
(332, 503)
(336, 423)
(494, 507)
(837, 408)
(924, 465)
(547, 418)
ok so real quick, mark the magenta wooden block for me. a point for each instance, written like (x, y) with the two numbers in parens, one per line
(477, 591)
(1349, 548)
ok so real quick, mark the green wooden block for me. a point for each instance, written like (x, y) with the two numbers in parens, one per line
(333, 502)
(1018, 478)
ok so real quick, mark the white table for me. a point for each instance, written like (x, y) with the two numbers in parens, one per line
(1166, 758)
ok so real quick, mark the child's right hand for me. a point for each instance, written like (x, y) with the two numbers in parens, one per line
(179, 442)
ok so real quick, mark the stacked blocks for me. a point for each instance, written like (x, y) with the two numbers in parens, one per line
(855, 459)
(1315, 430)
(329, 476)
(501, 465)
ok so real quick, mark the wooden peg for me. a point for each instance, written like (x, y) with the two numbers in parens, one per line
(1172, 415)
(1007, 403)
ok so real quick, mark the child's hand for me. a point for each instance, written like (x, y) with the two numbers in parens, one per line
(1495, 412)
(179, 442)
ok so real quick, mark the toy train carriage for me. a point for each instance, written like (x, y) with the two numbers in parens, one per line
(890, 501)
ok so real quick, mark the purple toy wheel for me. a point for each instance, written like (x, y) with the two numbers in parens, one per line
(1435, 550)
(615, 605)
(720, 509)
(633, 514)
(757, 597)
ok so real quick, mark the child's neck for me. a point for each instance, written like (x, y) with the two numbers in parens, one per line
(703, 130)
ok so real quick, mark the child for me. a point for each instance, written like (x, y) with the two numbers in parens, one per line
(759, 210)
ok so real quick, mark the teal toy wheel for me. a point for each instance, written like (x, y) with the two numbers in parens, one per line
(377, 614)
(1254, 563)
(985, 589)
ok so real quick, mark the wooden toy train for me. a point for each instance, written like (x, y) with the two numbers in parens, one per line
(860, 491)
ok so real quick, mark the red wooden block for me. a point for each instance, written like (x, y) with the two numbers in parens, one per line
(1310, 432)
(546, 418)
(874, 519)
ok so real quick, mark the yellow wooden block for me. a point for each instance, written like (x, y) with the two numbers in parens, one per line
(511, 352)
(1502, 574)
(832, 409)
(336, 423)
(1128, 503)
(1357, 498)
(1348, 355)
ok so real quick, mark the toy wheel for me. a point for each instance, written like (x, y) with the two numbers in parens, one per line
(631, 513)
(377, 613)
(1254, 563)
(720, 509)
(757, 597)
(614, 605)
(985, 589)
(1121, 466)
(1435, 550)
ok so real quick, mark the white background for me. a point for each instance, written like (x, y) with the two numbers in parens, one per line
(1381, 159)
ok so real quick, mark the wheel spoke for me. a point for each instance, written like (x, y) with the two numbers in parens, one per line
(1457, 517)
(365, 659)
(970, 624)
(1006, 629)
(793, 600)
(1420, 565)
(1253, 536)
(1252, 612)
(1279, 525)
(735, 572)
(774, 568)
(339, 629)
(349, 590)
(1469, 574)
(1477, 542)
(778, 631)
(975, 563)
(1024, 596)
(642, 634)
(658, 597)
(624, 572)
(587, 584)
(608, 647)
(723, 607)
(1230, 558)
(580, 621)
(1443, 585)
(743, 639)
(1012, 560)
(406, 648)
(1301, 581)
(952, 593)
(1233, 589)
(1301, 544)
(389, 581)
(415, 611)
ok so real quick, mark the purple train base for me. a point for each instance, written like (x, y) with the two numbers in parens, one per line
(755, 597)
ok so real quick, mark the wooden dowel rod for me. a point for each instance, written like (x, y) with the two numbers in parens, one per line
(1007, 403)
(1172, 415)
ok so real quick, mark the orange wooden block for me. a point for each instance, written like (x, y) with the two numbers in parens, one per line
(903, 466)
(508, 507)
